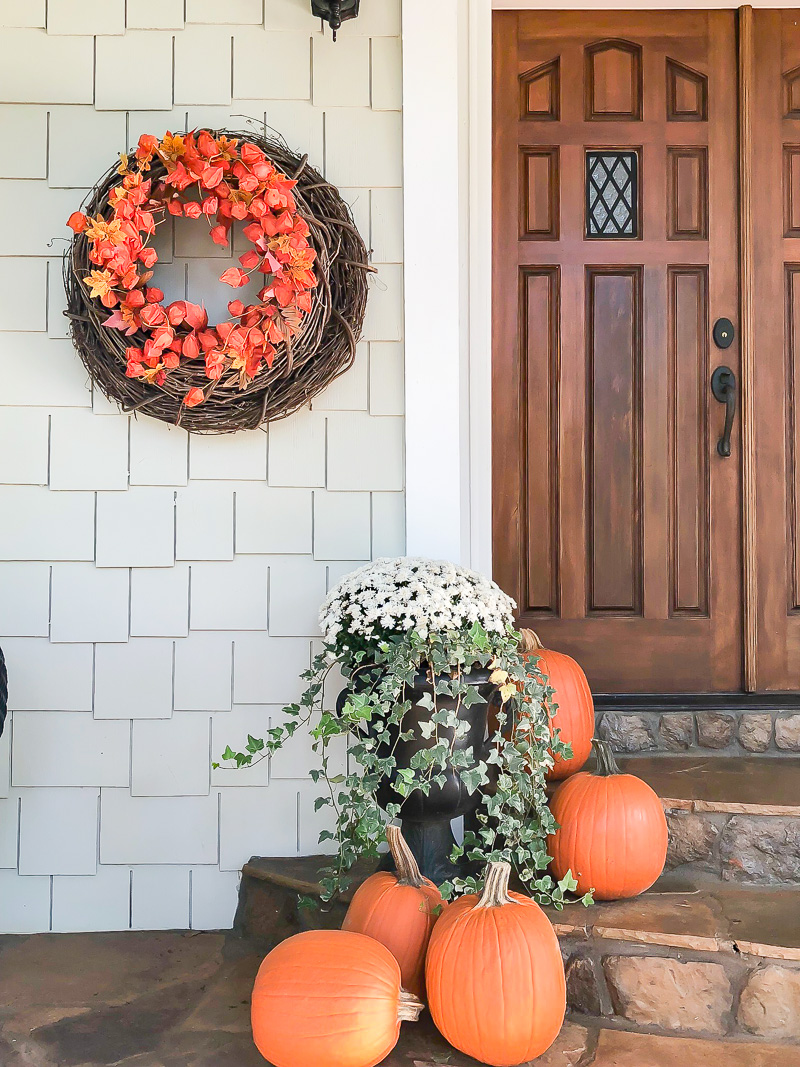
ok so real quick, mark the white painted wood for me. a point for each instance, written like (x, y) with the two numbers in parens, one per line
(341, 525)
(87, 452)
(365, 452)
(31, 13)
(214, 896)
(101, 902)
(137, 50)
(186, 829)
(297, 450)
(233, 456)
(233, 728)
(24, 904)
(203, 65)
(229, 596)
(171, 757)
(99, 752)
(90, 17)
(387, 74)
(160, 898)
(39, 69)
(23, 295)
(264, 71)
(133, 680)
(89, 603)
(160, 602)
(24, 445)
(296, 590)
(9, 830)
(155, 14)
(24, 599)
(433, 329)
(90, 704)
(136, 529)
(204, 522)
(18, 122)
(58, 831)
(230, 13)
(386, 378)
(203, 672)
(257, 822)
(266, 670)
(46, 677)
(273, 520)
(341, 72)
(52, 377)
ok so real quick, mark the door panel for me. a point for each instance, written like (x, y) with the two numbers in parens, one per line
(776, 345)
(616, 524)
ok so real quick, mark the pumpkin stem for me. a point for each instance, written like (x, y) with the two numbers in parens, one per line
(529, 641)
(408, 872)
(408, 1007)
(495, 886)
(606, 764)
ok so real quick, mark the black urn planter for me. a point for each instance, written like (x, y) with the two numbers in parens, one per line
(426, 819)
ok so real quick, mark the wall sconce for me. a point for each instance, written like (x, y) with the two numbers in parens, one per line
(335, 12)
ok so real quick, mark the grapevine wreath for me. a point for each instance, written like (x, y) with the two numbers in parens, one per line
(280, 346)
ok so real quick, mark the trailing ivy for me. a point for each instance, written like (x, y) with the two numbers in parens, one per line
(512, 819)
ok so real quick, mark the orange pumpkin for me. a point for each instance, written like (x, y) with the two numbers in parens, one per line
(398, 910)
(612, 830)
(574, 716)
(495, 976)
(329, 997)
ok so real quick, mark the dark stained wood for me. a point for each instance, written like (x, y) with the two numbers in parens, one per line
(616, 526)
(776, 335)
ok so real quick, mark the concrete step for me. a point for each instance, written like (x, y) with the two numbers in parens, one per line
(691, 956)
(736, 818)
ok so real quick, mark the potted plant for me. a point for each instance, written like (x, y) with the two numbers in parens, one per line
(424, 646)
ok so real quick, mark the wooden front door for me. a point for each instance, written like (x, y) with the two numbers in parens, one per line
(772, 67)
(617, 524)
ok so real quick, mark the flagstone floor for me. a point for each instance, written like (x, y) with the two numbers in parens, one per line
(181, 1000)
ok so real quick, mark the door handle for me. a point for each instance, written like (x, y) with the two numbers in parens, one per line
(723, 389)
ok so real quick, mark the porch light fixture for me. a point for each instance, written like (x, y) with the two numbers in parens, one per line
(335, 12)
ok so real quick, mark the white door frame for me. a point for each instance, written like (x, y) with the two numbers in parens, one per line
(447, 149)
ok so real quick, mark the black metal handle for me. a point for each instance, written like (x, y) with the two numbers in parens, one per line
(723, 389)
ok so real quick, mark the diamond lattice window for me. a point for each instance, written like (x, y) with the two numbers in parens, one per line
(612, 197)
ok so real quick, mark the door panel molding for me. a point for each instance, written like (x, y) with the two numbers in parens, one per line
(747, 349)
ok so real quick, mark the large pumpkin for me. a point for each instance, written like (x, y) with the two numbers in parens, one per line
(398, 910)
(612, 830)
(574, 716)
(329, 997)
(495, 975)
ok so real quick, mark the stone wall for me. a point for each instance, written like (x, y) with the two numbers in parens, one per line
(724, 732)
(691, 993)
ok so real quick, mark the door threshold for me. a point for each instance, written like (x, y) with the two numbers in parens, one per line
(697, 701)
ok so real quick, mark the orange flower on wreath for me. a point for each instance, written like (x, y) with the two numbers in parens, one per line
(221, 180)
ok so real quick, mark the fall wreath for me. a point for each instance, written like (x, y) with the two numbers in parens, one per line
(278, 348)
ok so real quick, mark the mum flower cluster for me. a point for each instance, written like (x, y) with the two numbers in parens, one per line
(412, 593)
(222, 180)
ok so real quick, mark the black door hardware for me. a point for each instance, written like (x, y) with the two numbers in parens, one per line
(723, 389)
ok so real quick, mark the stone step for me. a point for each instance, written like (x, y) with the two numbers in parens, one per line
(692, 956)
(633, 728)
(736, 818)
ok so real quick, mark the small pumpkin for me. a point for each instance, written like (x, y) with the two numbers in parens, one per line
(612, 830)
(329, 997)
(574, 715)
(495, 975)
(398, 910)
